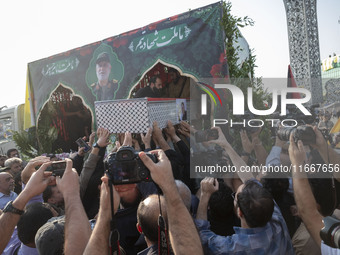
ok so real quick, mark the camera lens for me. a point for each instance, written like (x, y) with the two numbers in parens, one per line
(336, 237)
(330, 233)
(284, 133)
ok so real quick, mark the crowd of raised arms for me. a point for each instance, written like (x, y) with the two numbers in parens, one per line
(242, 212)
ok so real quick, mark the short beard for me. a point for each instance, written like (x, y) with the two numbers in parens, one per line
(157, 92)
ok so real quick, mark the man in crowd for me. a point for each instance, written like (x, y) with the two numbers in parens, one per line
(13, 153)
(153, 90)
(16, 208)
(2, 160)
(179, 86)
(15, 166)
(147, 217)
(326, 122)
(103, 88)
(6, 189)
(183, 234)
(53, 196)
(263, 229)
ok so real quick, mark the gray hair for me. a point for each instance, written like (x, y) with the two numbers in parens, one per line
(9, 162)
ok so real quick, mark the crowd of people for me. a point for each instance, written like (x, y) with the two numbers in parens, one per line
(243, 212)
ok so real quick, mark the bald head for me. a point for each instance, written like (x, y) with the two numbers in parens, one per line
(184, 192)
(6, 183)
(147, 216)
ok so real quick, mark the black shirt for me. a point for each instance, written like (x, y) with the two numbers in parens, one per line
(145, 92)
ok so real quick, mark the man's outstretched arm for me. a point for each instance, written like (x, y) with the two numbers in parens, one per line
(183, 233)
(77, 226)
(35, 186)
(304, 197)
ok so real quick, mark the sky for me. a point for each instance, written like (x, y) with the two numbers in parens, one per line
(36, 29)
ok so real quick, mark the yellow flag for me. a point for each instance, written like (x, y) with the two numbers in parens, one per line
(336, 127)
(27, 109)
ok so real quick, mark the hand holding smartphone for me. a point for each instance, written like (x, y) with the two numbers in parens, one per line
(82, 143)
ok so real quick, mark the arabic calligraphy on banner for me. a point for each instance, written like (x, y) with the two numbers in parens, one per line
(157, 39)
(62, 66)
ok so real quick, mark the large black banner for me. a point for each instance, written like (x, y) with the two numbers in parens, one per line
(191, 42)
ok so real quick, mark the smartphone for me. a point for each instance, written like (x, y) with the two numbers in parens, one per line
(57, 168)
(82, 143)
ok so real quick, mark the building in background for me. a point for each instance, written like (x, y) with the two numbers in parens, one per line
(330, 73)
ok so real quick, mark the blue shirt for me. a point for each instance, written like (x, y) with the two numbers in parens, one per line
(4, 199)
(271, 239)
(15, 244)
(273, 159)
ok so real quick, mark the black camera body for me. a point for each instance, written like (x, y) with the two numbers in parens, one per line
(304, 133)
(206, 135)
(330, 233)
(125, 166)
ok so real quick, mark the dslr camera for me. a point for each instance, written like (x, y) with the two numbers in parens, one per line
(125, 166)
(330, 233)
(304, 133)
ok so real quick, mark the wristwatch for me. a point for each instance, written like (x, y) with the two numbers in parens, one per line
(10, 208)
(95, 145)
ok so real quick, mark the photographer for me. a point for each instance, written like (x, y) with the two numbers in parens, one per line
(130, 196)
(183, 235)
(307, 206)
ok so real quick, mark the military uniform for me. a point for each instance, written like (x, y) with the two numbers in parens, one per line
(104, 92)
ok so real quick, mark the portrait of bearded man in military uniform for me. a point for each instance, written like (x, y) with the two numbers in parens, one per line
(103, 88)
